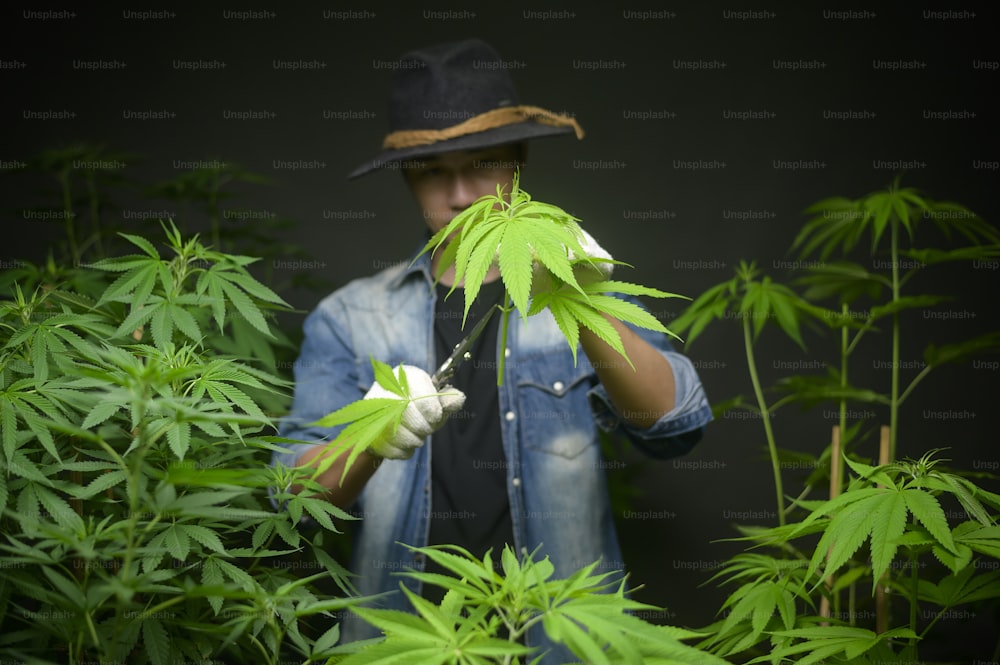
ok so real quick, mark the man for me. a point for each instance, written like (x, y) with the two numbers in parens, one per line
(517, 464)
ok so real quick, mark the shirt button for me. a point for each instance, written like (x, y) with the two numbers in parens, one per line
(558, 385)
(506, 352)
(516, 482)
(509, 416)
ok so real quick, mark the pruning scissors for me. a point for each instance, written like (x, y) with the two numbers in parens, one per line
(461, 352)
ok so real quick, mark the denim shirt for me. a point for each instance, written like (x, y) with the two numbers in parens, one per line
(551, 413)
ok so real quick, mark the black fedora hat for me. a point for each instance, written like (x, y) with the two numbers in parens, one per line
(457, 96)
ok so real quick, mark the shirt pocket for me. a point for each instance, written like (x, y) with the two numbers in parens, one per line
(553, 410)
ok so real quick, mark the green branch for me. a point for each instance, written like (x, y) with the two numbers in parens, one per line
(765, 418)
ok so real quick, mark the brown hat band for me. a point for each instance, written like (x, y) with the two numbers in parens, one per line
(507, 115)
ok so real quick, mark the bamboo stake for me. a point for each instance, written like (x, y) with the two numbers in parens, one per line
(881, 599)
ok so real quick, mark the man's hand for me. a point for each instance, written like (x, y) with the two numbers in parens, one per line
(427, 411)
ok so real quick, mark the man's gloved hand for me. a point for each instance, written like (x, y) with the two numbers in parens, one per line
(427, 411)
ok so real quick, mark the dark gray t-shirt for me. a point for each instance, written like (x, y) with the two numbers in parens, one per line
(469, 505)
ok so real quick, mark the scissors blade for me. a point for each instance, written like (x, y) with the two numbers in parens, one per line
(461, 352)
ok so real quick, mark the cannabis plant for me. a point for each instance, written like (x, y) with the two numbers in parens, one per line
(485, 615)
(885, 530)
(135, 494)
(543, 265)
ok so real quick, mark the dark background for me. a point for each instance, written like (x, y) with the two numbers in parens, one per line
(629, 82)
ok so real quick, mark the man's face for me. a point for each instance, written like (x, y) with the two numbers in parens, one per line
(446, 184)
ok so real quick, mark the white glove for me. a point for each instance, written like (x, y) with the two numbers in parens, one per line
(427, 411)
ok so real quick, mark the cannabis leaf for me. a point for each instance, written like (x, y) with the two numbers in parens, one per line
(754, 299)
(842, 222)
(538, 249)
(767, 596)
(877, 514)
(174, 294)
(516, 233)
(573, 308)
(822, 642)
(366, 420)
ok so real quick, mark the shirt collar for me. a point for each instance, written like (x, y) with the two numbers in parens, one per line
(417, 264)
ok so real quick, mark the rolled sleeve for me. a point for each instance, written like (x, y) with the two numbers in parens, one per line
(678, 430)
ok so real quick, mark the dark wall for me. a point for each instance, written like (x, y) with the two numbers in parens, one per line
(777, 108)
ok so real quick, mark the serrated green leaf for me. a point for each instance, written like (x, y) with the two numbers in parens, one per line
(142, 244)
(204, 536)
(156, 641)
(317, 508)
(626, 312)
(138, 317)
(326, 641)
(379, 418)
(179, 438)
(185, 322)
(904, 303)
(100, 484)
(57, 508)
(948, 353)
(135, 285)
(102, 410)
(461, 563)
(161, 326)
(246, 307)
(872, 474)
(480, 261)
(388, 379)
(516, 263)
(847, 531)
(550, 249)
(253, 287)
(176, 542)
(887, 526)
(570, 313)
(67, 589)
(927, 510)
(211, 576)
(396, 623)
(954, 562)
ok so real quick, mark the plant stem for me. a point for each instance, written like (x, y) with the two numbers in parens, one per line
(913, 384)
(837, 465)
(503, 336)
(894, 394)
(132, 486)
(765, 417)
(844, 355)
(914, 594)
